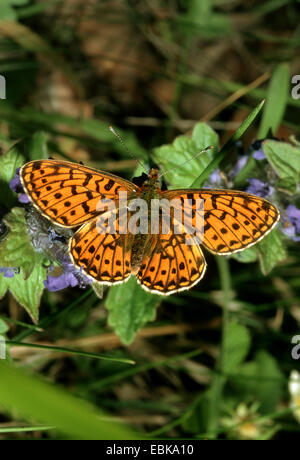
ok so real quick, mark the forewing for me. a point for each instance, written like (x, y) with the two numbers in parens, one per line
(231, 220)
(68, 193)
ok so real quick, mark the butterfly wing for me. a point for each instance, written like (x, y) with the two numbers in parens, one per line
(230, 220)
(101, 251)
(68, 193)
(172, 265)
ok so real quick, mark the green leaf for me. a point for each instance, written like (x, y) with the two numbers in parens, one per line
(69, 415)
(285, 160)
(98, 289)
(28, 292)
(3, 327)
(197, 419)
(175, 157)
(226, 148)
(130, 307)
(38, 146)
(277, 98)
(271, 251)
(8, 165)
(16, 250)
(7, 11)
(246, 256)
(262, 381)
(236, 346)
(3, 286)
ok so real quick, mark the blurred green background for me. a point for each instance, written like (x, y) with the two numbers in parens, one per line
(216, 363)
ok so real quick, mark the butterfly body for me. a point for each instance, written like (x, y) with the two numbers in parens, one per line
(108, 249)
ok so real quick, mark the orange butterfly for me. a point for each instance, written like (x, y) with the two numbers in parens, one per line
(164, 263)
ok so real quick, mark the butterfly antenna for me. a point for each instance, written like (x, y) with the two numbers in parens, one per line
(112, 129)
(190, 159)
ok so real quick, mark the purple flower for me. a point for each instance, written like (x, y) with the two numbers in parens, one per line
(294, 216)
(56, 283)
(259, 154)
(52, 242)
(16, 186)
(239, 166)
(70, 277)
(215, 179)
(259, 188)
(8, 272)
(23, 198)
(15, 182)
(256, 148)
(291, 225)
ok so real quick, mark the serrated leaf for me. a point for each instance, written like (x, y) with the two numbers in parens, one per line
(236, 346)
(246, 256)
(271, 250)
(9, 162)
(130, 307)
(16, 249)
(175, 157)
(28, 292)
(277, 97)
(285, 160)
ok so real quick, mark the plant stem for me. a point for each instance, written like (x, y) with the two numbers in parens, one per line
(220, 378)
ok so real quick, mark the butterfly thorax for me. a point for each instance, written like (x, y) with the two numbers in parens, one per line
(142, 243)
(150, 186)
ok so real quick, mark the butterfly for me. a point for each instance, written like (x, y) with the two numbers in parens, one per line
(164, 263)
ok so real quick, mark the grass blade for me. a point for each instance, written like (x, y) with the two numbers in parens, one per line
(276, 101)
(70, 351)
(35, 399)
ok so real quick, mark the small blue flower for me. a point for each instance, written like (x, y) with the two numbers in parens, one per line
(8, 272)
(15, 182)
(56, 283)
(239, 166)
(259, 154)
(259, 188)
(70, 277)
(291, 226)
(16, 186)
(23, 198)
(256, 148)
(215, 179)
